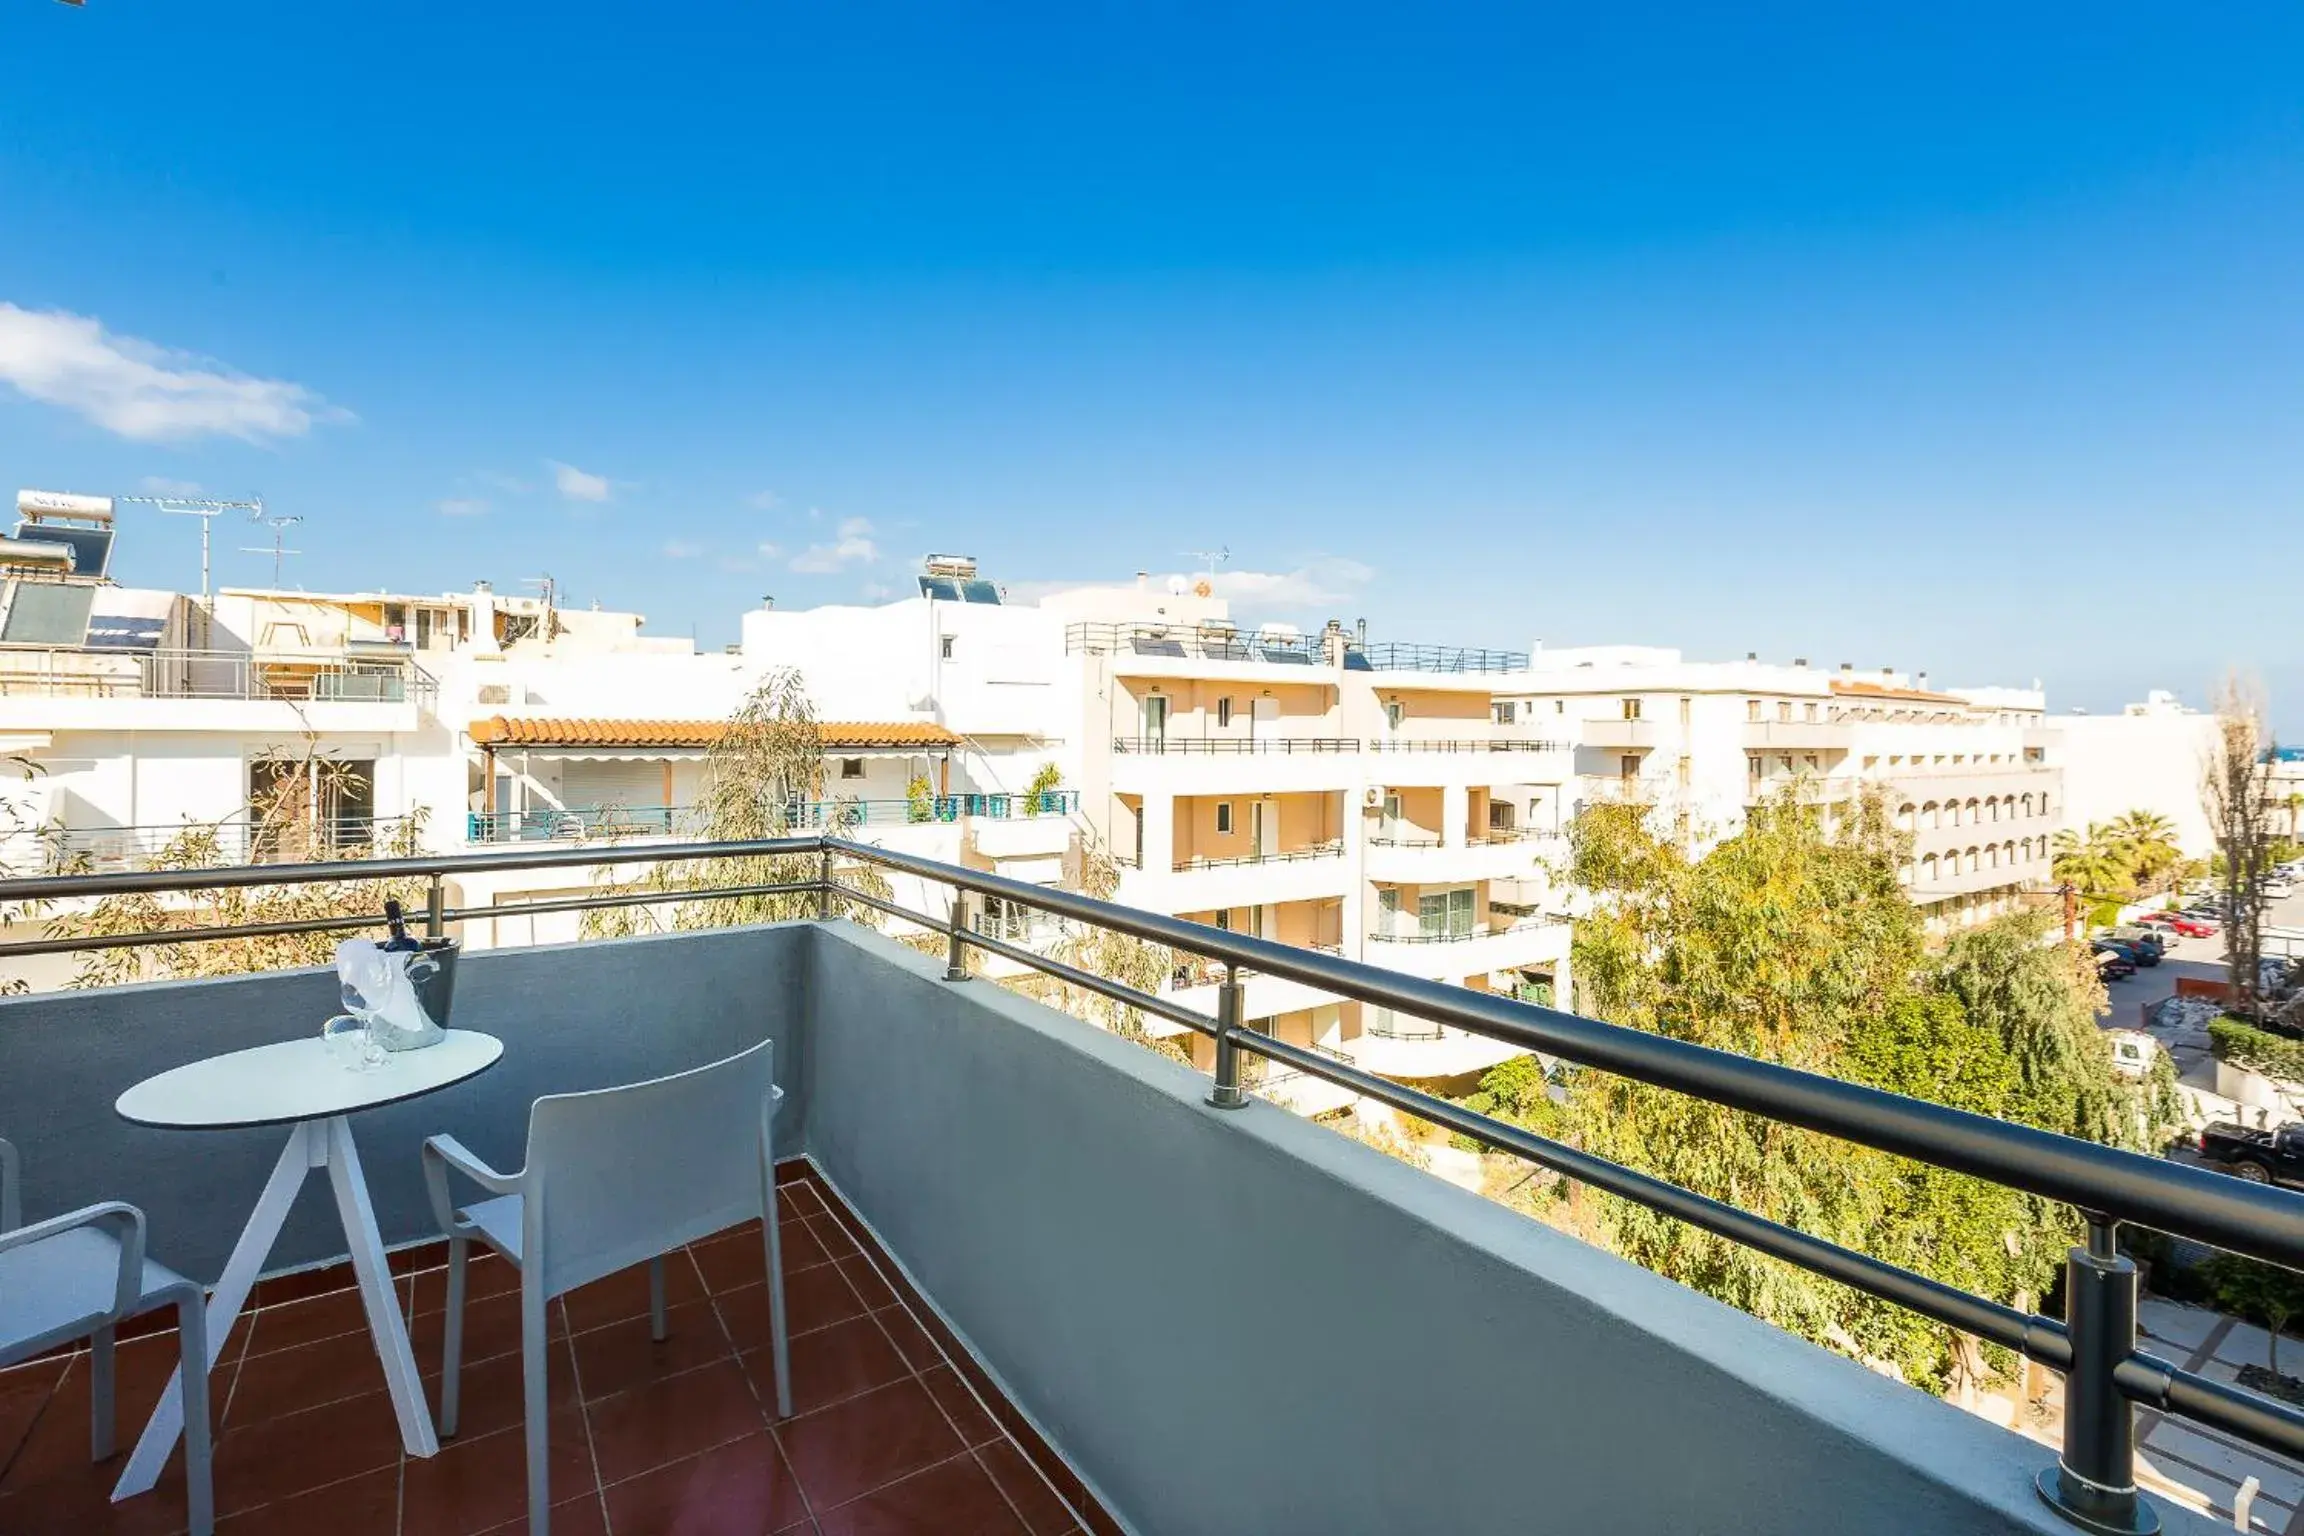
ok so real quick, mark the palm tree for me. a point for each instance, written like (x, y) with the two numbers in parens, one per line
(2147, 841)
(2090, 863)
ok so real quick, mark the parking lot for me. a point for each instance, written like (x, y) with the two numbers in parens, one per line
(2129, 1001)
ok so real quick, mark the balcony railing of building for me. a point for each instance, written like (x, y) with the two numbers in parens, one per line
(2095, 1345)
(1474, 744)
(1331, 849)
(1192, 642)
(233, 841)
(1221, 745)
(328, 677)
(1451, 936)
(1400, 839)
(545, 824)
(1390, 657)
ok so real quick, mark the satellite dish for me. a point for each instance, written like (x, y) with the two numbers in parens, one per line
(1176, 586)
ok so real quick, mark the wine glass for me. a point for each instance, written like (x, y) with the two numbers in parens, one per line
(346, 1036)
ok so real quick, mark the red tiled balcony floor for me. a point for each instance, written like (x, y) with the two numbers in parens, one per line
(895, 1429)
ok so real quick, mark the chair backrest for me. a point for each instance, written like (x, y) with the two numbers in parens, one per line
(622, 1174)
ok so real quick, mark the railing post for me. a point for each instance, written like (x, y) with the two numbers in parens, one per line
(435, 908)
(955, 944)
(2094, 1484)
(1226, 1093)
(824, 883)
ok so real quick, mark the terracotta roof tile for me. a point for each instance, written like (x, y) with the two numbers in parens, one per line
(1863, 690)
(530, 731)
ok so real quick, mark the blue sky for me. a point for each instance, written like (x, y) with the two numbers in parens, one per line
(1963, 340)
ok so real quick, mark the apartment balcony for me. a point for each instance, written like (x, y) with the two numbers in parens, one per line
(1018, 1250)
(1621, 735)
(1305, 873)
(1410, 858)
(1798, 735)
(1469, 760)
(55, 688)
(108, 850)
(1283, 762)
(1048, 812)
(1454, 956)
(1413, 1051)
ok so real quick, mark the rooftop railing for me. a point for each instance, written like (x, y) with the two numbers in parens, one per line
(330, 677)
(1472, 744)
(1227, 745)
(1196, 642)
(2094, 1344)
(1387, 656)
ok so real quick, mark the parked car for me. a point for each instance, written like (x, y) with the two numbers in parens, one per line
(2178, 923)
(2260, 1157)
(2133, 1052)
(2112, 966)
(2149, 941)
(2135, 955)
(2275, 889)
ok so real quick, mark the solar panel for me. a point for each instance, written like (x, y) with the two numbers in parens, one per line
(981, 592)
(1357, 661)
(942, 587)
(47, 613)
(91, 547)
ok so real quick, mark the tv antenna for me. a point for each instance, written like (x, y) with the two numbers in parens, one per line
(279, 527)
(1211, 558)
(207, 509)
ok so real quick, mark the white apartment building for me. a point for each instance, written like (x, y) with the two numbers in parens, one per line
(2151, 756)
(1973, 774)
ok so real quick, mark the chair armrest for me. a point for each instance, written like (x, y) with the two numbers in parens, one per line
(127, 1227)
(442, 1153)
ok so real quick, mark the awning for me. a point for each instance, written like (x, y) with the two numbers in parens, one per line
(621, 737)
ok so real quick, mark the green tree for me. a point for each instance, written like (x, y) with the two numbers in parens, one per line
(2146, 840)
(769, 759)
(2092, 863)
(2263, 1291)
(1793, 942)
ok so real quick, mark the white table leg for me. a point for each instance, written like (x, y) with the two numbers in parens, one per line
(305, 1150)
(368, 1263)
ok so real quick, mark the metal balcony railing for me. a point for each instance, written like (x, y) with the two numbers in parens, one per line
(47, 849)
(1332, 849)
(1193, 642)
(328, 677)
(2094, 1345)
(1390, 657)
(1422, 936)
(545, 824)
(1221, 745)
(1465, 744)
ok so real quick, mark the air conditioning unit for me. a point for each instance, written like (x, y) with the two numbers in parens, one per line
(1372, 798)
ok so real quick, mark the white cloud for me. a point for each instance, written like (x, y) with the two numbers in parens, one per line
(682, 549)
(146, 392)
(161, 485)
(461, 506)
(769, 551)
(853, 546)
(763, 501)
(575, 484)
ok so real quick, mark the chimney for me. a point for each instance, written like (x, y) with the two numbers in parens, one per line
(1751, 655)
(1922, 682)
(1143, 580)
(1847, 666)
(1887, 674)
(1800, 662)
(767, 600)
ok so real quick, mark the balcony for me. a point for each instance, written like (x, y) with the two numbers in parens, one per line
(1453, 956)
(1438, 660)
(320, 677)
(1212, 650)
(1621, 735)
(1798, 735)
(1269, 764)
(550, 824)
(1030, 1243)
(1409, 858)
(233, 841)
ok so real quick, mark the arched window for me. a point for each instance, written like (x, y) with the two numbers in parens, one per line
(1974, 810)
(1907, 817)
(1928, 869)
(1933, 813)
(1992, 806)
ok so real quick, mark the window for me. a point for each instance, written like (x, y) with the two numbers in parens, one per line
(1394, 713)
(1808, 713)
(1224, 918)
(945, 647)
(1629, 769)
(1224, 817)
(1813, 765)
(1755, 765)
(1784, 765)
(851, 767)
(1681, 770)
(1499, 815)
(1687, 708)
(1503, 711)
(1784, 711)
(1752, 710)
(1445, 914)
(1391, 808)
(1223, 711)
(1631, 709)
(1559, 706)
(1005, 919)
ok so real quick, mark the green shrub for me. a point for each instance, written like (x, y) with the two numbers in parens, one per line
(2244, 1045)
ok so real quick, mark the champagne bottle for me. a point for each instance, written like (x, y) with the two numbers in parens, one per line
(397, 923)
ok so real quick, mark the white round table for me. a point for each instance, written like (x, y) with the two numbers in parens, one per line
(300, 1083)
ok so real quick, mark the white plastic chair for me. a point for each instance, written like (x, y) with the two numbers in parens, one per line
(79, 1276)
(614, 1178)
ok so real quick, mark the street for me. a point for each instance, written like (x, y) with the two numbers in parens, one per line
(2130, 1000)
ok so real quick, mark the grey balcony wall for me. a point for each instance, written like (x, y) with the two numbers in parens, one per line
(1244, 1322)
(572, 1017)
